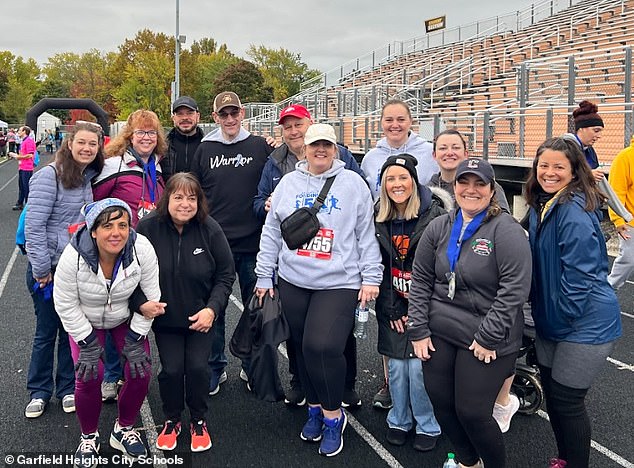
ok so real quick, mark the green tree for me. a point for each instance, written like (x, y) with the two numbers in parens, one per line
(282, 69)
(146, 84)
(199, 69)
(244, 79)
(22, 84)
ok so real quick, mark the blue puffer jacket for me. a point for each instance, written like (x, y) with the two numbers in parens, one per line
(272, 174)
(570, 295)
(50, 211)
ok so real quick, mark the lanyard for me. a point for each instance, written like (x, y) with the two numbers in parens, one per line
(150, 167)
(455, 244)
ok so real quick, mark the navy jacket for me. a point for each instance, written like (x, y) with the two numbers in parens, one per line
(272, 174)
(570, 295)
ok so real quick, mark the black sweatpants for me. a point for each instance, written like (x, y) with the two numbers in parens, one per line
(320, 323)
(462, 390)
(184, 375)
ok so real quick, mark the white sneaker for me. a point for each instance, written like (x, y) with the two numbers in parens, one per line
(109, 391)
(68, 403)
(504, 414)
(35, 408)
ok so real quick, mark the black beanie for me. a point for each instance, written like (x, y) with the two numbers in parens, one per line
(407, 161)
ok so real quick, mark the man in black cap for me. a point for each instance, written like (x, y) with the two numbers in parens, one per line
(183, 139)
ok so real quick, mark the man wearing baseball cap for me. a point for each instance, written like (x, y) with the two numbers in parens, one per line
(295, 121)
(183, 139)
(228, 164)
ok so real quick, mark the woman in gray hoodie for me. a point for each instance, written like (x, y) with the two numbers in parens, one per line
(396, 123)
(321, 282)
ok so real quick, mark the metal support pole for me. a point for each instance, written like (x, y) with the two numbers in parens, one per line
(627, 97)
(485, 135)
(366, 143)
(571, 92)
(177, 53)
(549, 123)
(523, 97)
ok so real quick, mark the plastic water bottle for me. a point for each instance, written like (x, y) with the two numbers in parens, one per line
(361, 322)
(450, 462)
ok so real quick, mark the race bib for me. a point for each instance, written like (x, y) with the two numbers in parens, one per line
(319, 246)
(145, 207)
(401, 281)
(73, 228)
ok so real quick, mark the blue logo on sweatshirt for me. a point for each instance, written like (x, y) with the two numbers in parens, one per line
(307, 199)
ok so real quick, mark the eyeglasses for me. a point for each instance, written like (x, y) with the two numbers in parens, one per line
(142, 133)
(234, 114)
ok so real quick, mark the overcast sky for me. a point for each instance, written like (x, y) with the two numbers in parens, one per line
(326, 33)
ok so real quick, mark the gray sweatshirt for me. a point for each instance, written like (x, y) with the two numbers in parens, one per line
(493, 277)
(418, 147)
(351, 257)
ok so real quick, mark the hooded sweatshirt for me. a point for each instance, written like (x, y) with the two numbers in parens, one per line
(180, 152)
(418, 147)
(347, 254)
(229, 172)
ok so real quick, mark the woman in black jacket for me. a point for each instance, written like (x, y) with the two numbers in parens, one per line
(196, 276)
(405, 208)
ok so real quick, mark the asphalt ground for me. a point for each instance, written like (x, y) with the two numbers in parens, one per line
(249, 433)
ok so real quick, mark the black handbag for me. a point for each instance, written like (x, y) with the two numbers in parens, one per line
(302, 224)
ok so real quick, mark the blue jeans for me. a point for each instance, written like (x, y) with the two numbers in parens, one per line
(245, 268)
(48, 329)
(410, 399)
(23, 186)
(112, 364)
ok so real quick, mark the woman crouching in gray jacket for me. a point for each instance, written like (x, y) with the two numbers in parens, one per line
(471, 276)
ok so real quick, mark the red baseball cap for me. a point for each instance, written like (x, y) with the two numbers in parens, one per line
(294, 110)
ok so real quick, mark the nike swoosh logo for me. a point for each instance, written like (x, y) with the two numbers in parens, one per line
(198, 251)
(276, 178)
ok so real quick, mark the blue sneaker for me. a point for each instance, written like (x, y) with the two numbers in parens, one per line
(332, 443)
(128, 441)
(311, 432)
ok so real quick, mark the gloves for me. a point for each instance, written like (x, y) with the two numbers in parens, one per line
(87, 365)
(134, 352)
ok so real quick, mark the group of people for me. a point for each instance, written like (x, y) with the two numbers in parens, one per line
(150, 233)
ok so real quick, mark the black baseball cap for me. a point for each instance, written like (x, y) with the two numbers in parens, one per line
(476, 166)
(185, 101)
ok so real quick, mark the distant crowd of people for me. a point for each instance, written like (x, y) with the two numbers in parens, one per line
(150, 231)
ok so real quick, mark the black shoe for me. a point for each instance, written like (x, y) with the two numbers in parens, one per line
(424, 443)
(17, 207)
(295, 396)
(396, 436)
(351, 399)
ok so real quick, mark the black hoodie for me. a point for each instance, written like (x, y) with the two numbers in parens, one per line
(391, 304)
(180, 152)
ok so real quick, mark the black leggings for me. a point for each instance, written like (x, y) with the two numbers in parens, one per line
(184, 372)
(350, 353)
(463, 391)
(320, 323)
(569, 420)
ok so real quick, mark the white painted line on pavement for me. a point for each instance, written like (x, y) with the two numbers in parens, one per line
(8, 182)
(7, 270)
(150, 432)
(599, 448)
(354, 423)
(627, 315)
(620, 365)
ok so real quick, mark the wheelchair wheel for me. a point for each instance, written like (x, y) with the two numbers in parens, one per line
(528, 389)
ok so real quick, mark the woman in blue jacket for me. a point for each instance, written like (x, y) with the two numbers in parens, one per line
(58, 191)
(575, 310)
